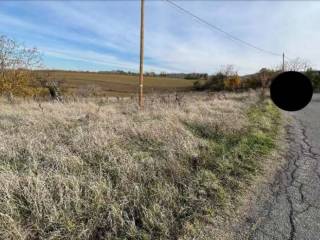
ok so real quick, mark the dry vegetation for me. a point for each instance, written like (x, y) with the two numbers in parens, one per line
(91, 169)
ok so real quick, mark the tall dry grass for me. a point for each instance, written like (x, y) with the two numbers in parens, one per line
(91, 169)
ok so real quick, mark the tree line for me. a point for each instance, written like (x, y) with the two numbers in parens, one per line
(227, 77)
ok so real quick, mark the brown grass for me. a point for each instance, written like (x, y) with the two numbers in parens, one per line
(90, 169)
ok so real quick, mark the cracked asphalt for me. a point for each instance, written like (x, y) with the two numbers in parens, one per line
(292, 208)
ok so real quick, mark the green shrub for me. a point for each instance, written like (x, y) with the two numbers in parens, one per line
(314, 76)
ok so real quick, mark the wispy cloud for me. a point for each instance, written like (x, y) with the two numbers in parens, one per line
(106, 34)
(100, 59)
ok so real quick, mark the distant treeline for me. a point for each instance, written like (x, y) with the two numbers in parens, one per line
(262, 79)
(191, 76)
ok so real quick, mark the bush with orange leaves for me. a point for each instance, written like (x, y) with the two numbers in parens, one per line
(16, 68)
(232, 82)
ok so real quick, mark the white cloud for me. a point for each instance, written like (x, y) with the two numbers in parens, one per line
(108, 33)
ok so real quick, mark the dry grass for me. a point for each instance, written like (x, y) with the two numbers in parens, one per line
(97, 170)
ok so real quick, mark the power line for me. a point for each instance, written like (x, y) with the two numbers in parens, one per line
(216, 28)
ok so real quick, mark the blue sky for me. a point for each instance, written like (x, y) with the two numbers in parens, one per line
(104, 35)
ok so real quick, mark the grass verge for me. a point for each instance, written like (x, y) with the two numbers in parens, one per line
(229, 162)
(83, 171)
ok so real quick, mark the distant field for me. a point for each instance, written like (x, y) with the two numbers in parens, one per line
(117, 84)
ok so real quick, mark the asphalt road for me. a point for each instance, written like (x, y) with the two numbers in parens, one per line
(292, 208)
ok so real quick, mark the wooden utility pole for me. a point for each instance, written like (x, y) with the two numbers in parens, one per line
(283, 62)
(141, 56)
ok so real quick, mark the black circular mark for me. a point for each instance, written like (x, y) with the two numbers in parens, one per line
(291, 91)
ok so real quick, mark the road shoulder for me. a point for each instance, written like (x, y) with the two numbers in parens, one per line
(287, 207)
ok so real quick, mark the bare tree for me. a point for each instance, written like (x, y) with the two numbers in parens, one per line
(297, 64)
(228, 70)
(16, 65)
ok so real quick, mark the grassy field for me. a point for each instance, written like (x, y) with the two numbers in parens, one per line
(106, 84)
(97, 170)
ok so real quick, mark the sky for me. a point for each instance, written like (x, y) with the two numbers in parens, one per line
(104, 35)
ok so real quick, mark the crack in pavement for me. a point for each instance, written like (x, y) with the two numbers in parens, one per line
(291, 178)
(291, 209)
